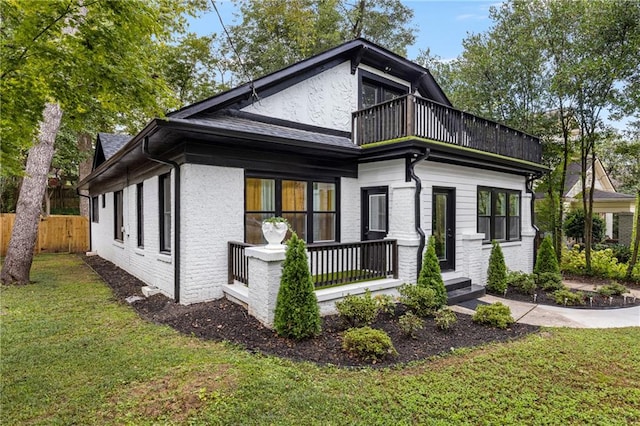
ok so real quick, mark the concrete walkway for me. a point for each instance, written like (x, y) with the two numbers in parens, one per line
(556, 316)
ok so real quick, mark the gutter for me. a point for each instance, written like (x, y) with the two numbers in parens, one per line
(176, 216)
(91, 213)
(529, 188)
(411, 172)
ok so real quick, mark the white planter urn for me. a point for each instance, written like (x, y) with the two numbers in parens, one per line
(274, 233)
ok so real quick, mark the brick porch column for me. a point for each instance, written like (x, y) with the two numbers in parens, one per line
(265, 271)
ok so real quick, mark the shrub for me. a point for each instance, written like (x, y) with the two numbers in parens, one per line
(569, 298)
(446, 318)
(357, 310)
(368, 343)
(495, 315)
(546, 260)
(613, 289)
(420, 300)
(386, 303)
(497, 271)
(574, 225)
(603, 264)
(621, 252)
(549, 281)
(297, 315)
(410, 323)
(521, 282)
(431, 275)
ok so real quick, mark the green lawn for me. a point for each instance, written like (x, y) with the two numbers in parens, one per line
(73, 355)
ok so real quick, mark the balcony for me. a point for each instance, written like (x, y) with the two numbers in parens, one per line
(412, 116)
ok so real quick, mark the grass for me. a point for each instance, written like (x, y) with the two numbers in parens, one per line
(73, 355)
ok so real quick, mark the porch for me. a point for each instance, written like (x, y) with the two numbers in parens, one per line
(413, 116)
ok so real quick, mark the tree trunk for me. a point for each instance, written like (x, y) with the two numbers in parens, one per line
(17, 263)
(635, 242)
(84, 147)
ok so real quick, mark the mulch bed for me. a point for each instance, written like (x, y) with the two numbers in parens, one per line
(222, 320)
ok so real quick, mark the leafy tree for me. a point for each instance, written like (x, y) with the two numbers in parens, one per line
(81, 59)
(431, 275)
(497, 270)
(546, 261)
(635, 238)
(297, 315)
(277, 33)
(574, 226)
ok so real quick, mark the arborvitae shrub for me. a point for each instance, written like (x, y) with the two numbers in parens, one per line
(431, 275)
(358, 310)
(297, 315)
(446, 318)
(420, 300)
(495, 315)
(521, 282)
(497, 271)
(368, 343)
(410, 324)
(547, 260)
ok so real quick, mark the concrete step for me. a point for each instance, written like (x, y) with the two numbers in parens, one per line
(456, 283)
(473, 291)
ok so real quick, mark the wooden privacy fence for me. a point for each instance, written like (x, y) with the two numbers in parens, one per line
(56, 234)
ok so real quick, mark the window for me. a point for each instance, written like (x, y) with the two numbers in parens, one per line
(95, 210)
(378, 212)
(165, 212)
(309, 207)
(498, 214)
(140, 214)
(118, 233)
(375, 89)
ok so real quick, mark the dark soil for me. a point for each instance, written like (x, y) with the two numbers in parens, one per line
(223, 320)
(592, 300)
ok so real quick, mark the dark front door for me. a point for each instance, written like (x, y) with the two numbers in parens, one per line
(375, 210)
(444, 226)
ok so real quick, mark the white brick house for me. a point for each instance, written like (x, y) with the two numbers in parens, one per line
(352, 145)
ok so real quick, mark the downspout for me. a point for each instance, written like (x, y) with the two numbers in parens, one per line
(529, 187)
(91, 213)
(176, 216)
(410, 166)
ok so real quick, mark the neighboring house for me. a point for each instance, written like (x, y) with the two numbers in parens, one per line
(612, 206)
(353, 145)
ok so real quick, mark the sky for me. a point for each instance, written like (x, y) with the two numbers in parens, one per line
(442, 25)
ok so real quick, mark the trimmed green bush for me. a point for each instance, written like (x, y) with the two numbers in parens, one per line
(613, 289)
(410, 324)
(495, 315)
(549, 281)
(368, 343)
(546, 260)
(386, 303)
(574, 226)
(446, 318)
(497, 270)
(358, 310)
(521, 282)
(568, 297)
(420, 300)
(297, 314)
(431, 275)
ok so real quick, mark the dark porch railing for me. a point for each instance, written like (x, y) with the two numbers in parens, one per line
(410, 115)
(342, 263)
(331, 263)
(238, 263)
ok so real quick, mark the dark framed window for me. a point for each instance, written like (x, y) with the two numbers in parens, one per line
(499, 214)
(309, 206)
(374, 89)
(165, 212)
(140, 214)
(95, 210)
(118, 218)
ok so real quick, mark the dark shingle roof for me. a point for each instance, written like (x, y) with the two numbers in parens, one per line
(606, 195)
(574, 170)
(111, 143)
(255, 124)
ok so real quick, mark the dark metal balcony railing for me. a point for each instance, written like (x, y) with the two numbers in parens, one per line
(410, 115)
(331, 263)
